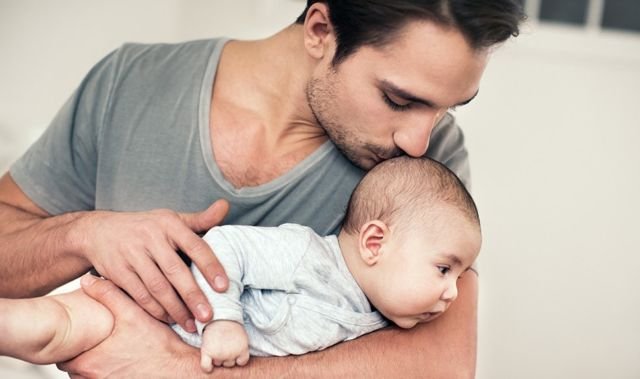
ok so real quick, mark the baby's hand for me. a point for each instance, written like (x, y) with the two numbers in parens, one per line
(224, 343)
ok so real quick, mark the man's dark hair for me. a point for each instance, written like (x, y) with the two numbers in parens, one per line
(358, 23)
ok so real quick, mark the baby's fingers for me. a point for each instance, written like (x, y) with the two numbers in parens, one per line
(243, 359)
(206, 363)
(229, 363)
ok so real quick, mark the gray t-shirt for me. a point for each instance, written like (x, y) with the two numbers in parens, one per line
(135, 136)
(289, 287)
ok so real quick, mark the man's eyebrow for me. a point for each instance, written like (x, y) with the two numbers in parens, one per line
(404, 94)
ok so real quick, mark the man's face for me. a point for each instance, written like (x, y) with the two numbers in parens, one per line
(384, 102)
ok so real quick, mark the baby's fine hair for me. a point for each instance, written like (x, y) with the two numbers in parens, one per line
(409, 189)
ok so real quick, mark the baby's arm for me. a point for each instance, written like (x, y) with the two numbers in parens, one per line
(52, 329)
(224, 343)
(247, 255)
(224, 339)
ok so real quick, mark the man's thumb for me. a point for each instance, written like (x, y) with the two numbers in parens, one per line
(208, 218)
(104, 291)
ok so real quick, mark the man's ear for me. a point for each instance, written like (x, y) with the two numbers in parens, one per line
(318, 31)
(370, 241)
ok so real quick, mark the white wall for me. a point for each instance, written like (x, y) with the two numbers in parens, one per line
(552, 138)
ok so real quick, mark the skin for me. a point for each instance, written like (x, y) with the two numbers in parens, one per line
(52, 328)
(157, 350)
(422, 265)
(349, 101)
(275, 134)
(224, 344)
(41, 252)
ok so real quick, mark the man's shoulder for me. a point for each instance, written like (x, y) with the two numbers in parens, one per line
(447, 146)
(166, 53)
(136, 48)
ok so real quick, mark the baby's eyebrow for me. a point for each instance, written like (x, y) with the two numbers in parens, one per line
(453, 258)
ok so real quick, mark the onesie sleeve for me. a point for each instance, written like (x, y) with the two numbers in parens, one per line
(226, 305)
(447, 146)
(58, 172)
(263, 258)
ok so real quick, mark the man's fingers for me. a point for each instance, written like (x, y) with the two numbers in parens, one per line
(207, 219)
(67, 367)
(185, 285)
(64, 366)
(199, 252)
(160, 287)
(112, 297)
(131, 282)
(203, 257)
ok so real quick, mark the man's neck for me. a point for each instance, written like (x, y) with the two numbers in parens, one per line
(261, 123)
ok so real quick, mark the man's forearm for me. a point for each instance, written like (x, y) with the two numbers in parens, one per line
(445, 348)
(37, 254)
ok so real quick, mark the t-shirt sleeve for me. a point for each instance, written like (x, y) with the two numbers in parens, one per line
(447, 146)
(58, 172)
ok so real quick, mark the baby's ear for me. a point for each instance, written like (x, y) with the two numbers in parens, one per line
(370, 241)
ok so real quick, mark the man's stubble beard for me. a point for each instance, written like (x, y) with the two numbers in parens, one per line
(320, 97)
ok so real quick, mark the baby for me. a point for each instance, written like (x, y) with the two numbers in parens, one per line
(410, 231)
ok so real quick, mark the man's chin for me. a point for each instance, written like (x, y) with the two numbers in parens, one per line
(365, 163)
(362, 161)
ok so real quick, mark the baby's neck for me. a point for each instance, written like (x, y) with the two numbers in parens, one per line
(349, 249)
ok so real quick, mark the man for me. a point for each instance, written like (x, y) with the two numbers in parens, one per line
(180, 126)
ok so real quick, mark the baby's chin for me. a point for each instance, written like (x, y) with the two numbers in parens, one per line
(405, 323)
(410, 322)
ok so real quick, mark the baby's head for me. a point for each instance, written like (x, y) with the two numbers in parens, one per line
(410, 231)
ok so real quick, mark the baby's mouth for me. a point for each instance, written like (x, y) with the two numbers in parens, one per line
(428, 316)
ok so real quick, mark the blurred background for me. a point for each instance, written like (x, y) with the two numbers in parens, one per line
(553, 140)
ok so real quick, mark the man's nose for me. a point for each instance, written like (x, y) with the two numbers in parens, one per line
(413, 139)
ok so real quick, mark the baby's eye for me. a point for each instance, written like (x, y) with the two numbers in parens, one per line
(444, 269)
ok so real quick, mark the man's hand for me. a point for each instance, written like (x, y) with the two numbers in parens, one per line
(135, 339)
(224, 343)
(137, 251)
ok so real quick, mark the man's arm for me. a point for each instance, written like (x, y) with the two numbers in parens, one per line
(444, 348)
(137, 250)
(26, 232)
(141, 346)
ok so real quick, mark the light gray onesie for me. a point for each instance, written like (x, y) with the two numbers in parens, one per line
(290, 288)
